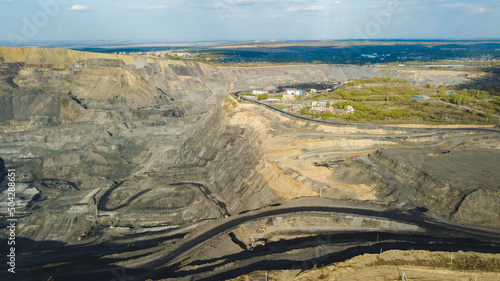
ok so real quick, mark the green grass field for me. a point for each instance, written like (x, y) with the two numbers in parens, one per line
(391, 101)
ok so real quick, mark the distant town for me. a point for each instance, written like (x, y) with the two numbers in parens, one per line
(361, 53)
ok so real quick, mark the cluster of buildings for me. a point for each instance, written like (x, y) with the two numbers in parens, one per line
(319, 108)
(181, 54)
(150, 53)
(290, 95)
(375, 55)
(322, 107)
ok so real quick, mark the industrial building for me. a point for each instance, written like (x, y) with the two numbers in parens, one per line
(295, 92)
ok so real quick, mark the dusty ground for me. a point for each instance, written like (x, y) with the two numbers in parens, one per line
(417, 265)
(353, 163)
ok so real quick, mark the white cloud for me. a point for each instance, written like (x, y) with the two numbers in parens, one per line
(306, 8)
(483, 10)
(78, 7)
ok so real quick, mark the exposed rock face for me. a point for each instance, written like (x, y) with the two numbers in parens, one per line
(268, 77)
(105, 81)
(76, 124)
(426, 189)
(230, 154)
(480, 208)
(100, 81)
(466, 191)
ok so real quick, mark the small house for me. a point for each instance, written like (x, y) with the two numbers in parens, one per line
(295, 92)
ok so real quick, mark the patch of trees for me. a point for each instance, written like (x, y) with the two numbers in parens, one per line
(262, 97)
(377, 80)
(467, 96)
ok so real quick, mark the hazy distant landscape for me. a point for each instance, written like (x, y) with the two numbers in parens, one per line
(340, 52)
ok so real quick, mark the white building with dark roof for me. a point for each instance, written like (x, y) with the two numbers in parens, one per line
(295, 92)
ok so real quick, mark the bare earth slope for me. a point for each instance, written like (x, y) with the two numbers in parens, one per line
(417, 265)
(97, 119)
(144, 143)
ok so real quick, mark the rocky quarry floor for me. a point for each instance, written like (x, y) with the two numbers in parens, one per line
(138, 149)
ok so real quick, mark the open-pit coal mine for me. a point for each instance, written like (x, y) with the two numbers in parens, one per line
(143, 168)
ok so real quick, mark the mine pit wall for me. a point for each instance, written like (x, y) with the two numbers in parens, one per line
(427, 190)
(231, 155)
(38, 80)
(105, 81)
(479, 208)
(268, 78)
(292, 226)
(229, 145)
(26, 106)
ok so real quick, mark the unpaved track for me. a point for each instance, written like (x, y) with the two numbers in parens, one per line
(208, 194)
(434, 228)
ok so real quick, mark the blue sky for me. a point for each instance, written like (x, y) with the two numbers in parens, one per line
(27, 21)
